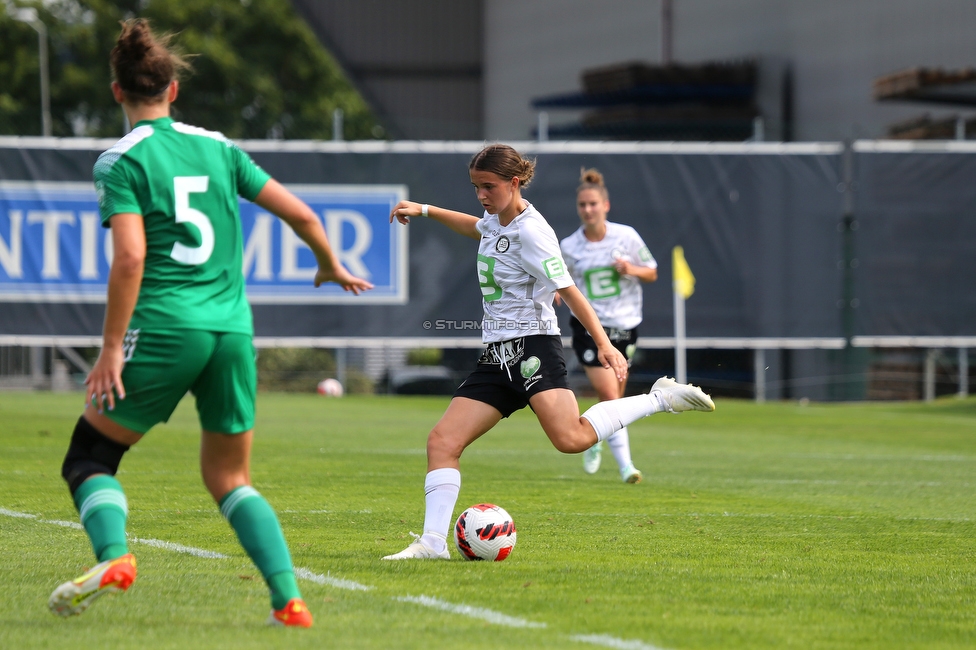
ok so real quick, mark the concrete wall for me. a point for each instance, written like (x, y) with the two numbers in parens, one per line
(836, 48)
(417, 62)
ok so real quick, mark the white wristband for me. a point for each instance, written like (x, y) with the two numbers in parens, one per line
(423, 210)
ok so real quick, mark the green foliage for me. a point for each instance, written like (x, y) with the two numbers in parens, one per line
(757, 526)
(424, 356)
(294, 369)
(258, 70)
(301, 369)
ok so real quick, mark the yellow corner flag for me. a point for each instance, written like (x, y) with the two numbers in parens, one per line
(684, 281)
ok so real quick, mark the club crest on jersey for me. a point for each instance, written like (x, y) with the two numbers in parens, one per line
(502, 244)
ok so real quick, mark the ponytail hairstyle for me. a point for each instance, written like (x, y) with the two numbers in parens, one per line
(591, 179)
(143, 64)
(504, 161)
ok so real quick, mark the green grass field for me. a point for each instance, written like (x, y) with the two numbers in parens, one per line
(757, 526)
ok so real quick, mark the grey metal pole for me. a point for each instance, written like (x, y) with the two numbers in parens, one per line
(542, 130)
(29, 15)
(759, 365)
(963, 372)
(45, 78)
(758, 129)
(337, 134)
(38, 376)
(680, 352)
(929, 374)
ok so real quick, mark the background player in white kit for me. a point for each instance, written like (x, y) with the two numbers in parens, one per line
(608, 262)
(519, 270)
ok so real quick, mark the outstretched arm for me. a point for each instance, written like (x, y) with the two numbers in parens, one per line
(274, 198)
(459, 222)
(608, 355)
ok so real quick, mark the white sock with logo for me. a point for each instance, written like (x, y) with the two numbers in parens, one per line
(619, 444)
(441, 488)
(612, 415)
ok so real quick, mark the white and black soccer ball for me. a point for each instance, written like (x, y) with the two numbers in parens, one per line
(485, 532)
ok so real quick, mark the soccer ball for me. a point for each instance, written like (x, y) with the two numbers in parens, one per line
(485, 532)
(330, 387)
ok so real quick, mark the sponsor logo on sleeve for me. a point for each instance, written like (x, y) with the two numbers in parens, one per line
(554, 267)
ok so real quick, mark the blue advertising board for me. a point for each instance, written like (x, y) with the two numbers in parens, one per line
(53, 248)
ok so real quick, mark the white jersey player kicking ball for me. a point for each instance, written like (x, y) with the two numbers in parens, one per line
(520, 268)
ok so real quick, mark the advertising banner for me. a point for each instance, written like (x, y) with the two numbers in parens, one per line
(54, 249)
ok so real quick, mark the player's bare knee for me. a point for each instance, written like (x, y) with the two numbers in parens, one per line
(571, 442)
(441, 444)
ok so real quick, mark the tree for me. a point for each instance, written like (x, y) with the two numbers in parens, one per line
(258, 69)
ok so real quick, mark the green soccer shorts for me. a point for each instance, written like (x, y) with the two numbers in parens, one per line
(161, 366)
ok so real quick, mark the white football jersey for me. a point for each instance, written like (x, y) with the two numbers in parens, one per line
(519, 269)
(617, 299)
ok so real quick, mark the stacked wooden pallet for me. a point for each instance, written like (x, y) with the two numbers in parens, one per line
(919, 83)
(930, 86)
(926, 127)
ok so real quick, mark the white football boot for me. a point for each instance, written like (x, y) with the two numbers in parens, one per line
(682, 397)
(111, 576)
(419, 551)
(631, 474)
(591, 458)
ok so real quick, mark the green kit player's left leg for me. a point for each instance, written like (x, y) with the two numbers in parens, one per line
(89, 467)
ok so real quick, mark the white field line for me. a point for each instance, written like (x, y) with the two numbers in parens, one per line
(18, 515)
(487, 615)
(320, 579)
(179, 548)
(612, 642)
(66, 524)
(474, 612)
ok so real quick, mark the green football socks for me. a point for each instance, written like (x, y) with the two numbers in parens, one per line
(260, 534)
(103, 509)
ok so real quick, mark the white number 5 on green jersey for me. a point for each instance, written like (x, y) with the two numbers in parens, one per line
(183, 187)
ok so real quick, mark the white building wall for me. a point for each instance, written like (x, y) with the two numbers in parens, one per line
(835, 47)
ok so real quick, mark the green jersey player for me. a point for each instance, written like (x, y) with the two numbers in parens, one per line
(177, 320)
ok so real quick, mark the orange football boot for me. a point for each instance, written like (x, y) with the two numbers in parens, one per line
(294, 614)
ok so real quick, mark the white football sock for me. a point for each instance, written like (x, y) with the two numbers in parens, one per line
(619, 444)
(607, 417)
(441, 488)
